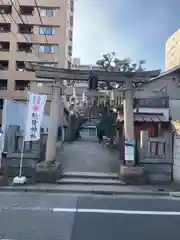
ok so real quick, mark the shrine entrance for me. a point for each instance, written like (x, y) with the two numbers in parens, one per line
(86, 156)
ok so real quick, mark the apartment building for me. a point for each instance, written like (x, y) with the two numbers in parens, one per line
(37, 30)
(172, 52)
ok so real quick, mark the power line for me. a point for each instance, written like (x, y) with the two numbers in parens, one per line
(28, 22)
(7, 22)
(20, 18)
(12, 21)
(11, 18)
(45, 35)
(19, 13)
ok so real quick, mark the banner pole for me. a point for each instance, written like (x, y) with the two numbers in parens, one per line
(21, 160)
(23, 141)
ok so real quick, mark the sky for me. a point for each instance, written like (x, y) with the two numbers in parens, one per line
(132, 28)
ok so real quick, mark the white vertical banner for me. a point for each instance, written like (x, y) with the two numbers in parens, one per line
(35, 114)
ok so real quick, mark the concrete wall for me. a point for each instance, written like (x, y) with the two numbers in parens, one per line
(176, 151)
(14, 113)
(176, 157)
(158, 167)
(174, 107)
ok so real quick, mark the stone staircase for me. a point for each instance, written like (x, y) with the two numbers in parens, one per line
(81, 179)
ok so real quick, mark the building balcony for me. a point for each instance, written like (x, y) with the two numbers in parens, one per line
(19, 94)
(52, 3)
(21, 74)
(4, 74)
(34, 19)
(154, 102)
(5, 56)
(23, 56)
(40, 88)
(3, 93)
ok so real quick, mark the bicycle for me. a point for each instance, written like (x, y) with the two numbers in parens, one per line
(108, 142)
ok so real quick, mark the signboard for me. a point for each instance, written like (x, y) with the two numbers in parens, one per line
(34, 116)
(129, 150)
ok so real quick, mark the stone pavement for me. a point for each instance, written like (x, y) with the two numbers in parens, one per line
(88, 156)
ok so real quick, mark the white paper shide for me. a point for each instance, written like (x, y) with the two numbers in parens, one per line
(34, 116)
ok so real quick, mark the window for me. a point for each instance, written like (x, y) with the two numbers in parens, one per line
(70, 35)
(4, 46)
(25, 28)
(20, 66)
(71, 20)
(70, 51)
(26, 10)
(71, 5)
(47, 12)
(5, 27)
(5, 9)
(22, 85)
(3, 84)
(47, 48)
(24, 47)
(4, 65)
(47, 31)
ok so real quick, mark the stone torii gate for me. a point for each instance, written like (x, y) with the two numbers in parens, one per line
(56, 76)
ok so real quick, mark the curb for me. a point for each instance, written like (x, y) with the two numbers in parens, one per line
(91, 191)
(174, 194)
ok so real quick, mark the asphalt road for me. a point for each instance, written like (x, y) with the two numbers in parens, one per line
(35, 216)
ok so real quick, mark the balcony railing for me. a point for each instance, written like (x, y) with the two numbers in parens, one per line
(154, 102)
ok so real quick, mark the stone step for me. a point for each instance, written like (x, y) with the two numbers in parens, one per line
(90, 175)
(136, 180)
(85, 181)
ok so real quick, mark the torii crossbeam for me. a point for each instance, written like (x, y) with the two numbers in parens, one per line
(83, 75)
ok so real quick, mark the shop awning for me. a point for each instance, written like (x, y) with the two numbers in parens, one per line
(145, 118)
(149, 118)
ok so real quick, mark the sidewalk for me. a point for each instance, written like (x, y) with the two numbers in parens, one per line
(87, 156)
(169, 190)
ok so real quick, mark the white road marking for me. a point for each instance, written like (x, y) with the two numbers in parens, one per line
(116, 211)
(88, 210)
(64, 209)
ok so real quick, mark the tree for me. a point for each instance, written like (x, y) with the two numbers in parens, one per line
(110, 62)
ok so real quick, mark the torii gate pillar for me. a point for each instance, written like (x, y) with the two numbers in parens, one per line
(129, 155)
(53, 125)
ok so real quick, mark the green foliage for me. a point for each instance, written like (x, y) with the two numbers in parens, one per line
(110, 62)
